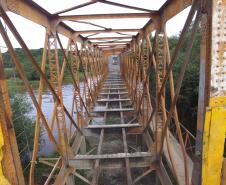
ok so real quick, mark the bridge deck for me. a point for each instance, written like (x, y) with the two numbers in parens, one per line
(113, 115)
(114, 99)
(121, 119)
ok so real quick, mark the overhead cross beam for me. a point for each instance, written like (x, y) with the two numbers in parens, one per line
(35, 13)
(111, 42)
(126, 6)
(107, 31)
(110, 38)
(109, 46)
(166, 12)
(169, 9)
(76, 7)
(106, 16)
(90, 23)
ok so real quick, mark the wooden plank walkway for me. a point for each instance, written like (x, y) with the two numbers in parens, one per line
(114, 93)
(113, 87)
(134, 125)
(114, 160)
(113, 156)
(113, 100)
(114, 110)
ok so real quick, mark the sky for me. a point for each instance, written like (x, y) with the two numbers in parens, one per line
(33, 34)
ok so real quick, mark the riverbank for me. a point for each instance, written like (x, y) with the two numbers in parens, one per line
(16, 85)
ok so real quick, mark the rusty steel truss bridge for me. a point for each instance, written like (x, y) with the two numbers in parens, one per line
(116, 127)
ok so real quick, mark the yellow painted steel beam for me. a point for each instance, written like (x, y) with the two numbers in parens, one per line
(215, 119)
(213, 141)
(10, 159)
(3, 180)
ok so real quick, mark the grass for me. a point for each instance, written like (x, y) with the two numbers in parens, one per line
(42, 169)
(16, 85)
(112, 120)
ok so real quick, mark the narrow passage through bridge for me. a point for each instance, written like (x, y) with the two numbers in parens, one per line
(123, 126)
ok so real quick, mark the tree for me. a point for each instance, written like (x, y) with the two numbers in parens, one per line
(188, 99)
(24, 127)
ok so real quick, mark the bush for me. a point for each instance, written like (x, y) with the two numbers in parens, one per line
(24, 127)
(10, 73)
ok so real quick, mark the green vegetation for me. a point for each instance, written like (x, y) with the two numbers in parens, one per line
(15, 85)
(24, 128)
(112, 120)
(28, 68)
(21, 107)
(24, 125)
(30, 72)
(188, 100)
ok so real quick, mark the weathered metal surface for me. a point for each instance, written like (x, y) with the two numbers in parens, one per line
(215, 115)
(10, 159)
(137, 58)
(114, 126)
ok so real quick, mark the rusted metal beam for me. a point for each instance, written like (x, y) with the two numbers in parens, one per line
(125, 146)
(105, 16)
(37, 121)
(82, 178)
(97, 162)
(176, 119)
(112, 51)
(126, 6)
(112, 45)
(108, 165)
(204, 89)
(143, 175)
(113, 126)
(179, 43)
(9, 154)
(27, 85)
(110, 38)
(90, 23)
(106, 31)
(33, 61)
(166, 12)
(33, 12)
(115, 156)
(111, 42)
(53, 171)
(163, 175)
(181, 75)
(172, 8)
(76, 7)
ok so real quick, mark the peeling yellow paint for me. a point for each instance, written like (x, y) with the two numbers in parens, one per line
(3, 180)
(213, 141)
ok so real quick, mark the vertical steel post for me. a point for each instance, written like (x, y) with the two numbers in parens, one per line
(213, 127)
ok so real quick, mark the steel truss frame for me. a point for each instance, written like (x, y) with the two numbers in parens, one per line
(171, 142)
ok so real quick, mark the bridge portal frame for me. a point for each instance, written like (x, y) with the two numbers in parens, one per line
(212, 47)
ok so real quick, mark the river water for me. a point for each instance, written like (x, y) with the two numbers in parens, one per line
(46, 146)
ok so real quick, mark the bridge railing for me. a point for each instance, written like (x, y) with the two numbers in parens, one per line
(93, 67)
(188, 138)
